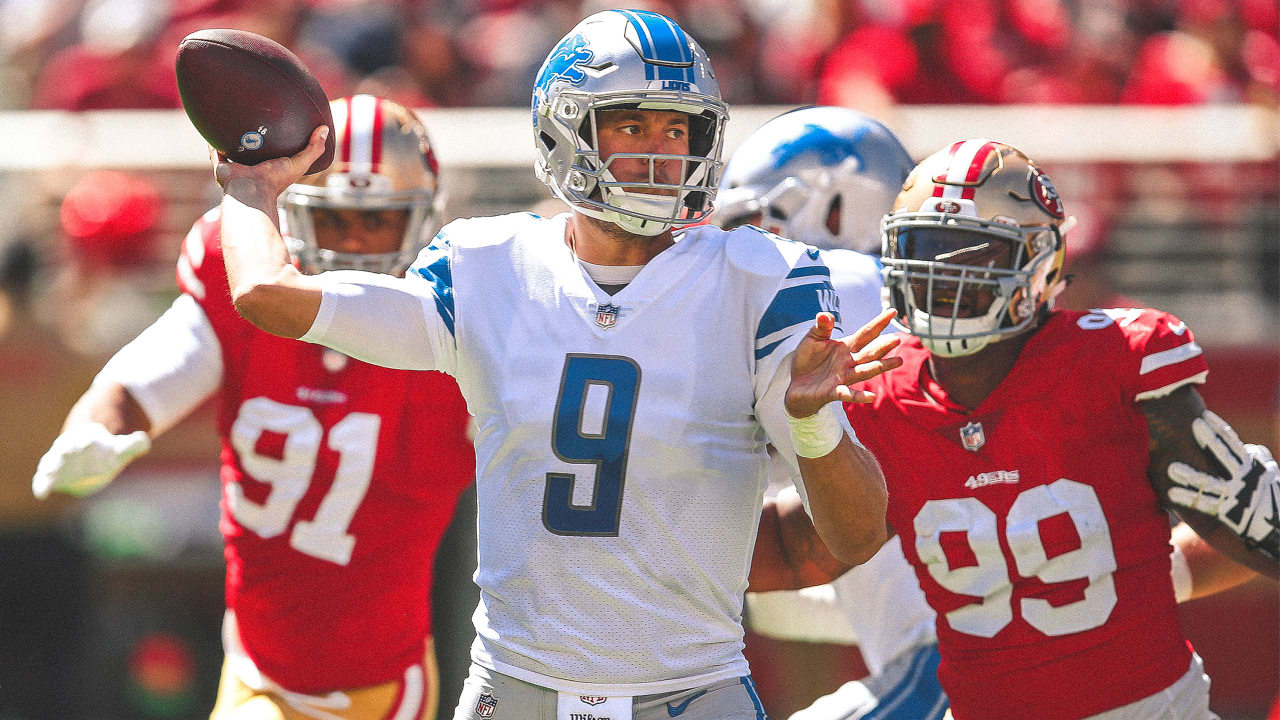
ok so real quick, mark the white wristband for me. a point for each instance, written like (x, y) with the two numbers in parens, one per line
(818, 434)
(1180, 569)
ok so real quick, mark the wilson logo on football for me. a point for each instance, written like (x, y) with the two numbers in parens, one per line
(253, 139)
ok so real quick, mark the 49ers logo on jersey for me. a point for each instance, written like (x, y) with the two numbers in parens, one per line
(1046, 194)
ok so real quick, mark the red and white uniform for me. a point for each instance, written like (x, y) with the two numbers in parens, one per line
(339, 479)
(1030, 521)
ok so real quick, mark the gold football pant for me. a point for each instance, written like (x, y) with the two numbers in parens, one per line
(413, 697)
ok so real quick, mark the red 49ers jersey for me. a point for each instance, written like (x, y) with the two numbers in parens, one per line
(338, 481)
(1030, 522)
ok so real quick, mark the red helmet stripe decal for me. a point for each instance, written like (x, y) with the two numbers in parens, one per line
(937, 187)
(975, 168)
(967, 159)
(342, 119)
(375, 155)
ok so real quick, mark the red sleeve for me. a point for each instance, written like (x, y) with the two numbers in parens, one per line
(1166, 355)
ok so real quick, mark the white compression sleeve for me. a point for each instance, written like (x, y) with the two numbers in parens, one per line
(171, 367)
(383, 320)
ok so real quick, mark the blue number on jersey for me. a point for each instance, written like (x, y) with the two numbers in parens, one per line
(606, 450)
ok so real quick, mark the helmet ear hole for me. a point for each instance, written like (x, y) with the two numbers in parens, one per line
(833, 214)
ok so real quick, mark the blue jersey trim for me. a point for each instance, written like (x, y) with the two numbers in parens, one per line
(795, 305)
(918, 695)
(434, 268)
(750, 684)
(809, 270)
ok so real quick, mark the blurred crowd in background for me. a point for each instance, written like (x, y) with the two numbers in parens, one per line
(96, 54)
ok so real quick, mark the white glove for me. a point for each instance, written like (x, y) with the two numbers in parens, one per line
(85, 458)
(1249, 501)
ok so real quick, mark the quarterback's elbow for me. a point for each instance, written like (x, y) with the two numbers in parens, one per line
(268, 304)
(857, 548)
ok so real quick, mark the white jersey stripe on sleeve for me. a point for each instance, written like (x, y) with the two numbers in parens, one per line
(1164, 358)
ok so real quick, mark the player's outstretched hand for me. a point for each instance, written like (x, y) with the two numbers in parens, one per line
(823, 370)
(85, 458)
(1246, 499)
(272, 176)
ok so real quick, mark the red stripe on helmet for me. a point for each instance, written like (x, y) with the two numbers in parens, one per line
(344, 142)
(375, 157)
(938, 187)
(975, 168)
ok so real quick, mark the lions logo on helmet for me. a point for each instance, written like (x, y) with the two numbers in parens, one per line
(383, 161)
(973, 249)
(820, 175)
(633, 59)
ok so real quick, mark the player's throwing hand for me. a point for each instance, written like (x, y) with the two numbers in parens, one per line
(823, 370)
(273, 176)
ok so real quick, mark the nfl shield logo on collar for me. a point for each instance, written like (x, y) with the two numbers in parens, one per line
(486, 705)
(607, 315)
(592, 699)
(973, 437)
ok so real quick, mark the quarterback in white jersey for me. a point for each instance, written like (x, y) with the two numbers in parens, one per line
(625, 378)
(825, 176)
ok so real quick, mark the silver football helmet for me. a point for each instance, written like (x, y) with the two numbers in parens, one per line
(627, 59)
(823, 176)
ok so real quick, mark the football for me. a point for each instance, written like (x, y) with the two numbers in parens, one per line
(250, 97)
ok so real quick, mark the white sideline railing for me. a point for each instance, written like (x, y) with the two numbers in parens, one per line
(501, 137)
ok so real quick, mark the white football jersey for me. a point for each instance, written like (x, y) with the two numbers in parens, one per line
(856, 279)
(881, 599)
(620, 441)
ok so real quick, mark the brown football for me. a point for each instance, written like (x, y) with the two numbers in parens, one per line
(250, 97)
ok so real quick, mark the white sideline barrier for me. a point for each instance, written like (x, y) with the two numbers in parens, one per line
(501, 137)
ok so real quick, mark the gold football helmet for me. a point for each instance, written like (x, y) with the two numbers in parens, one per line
(974, 246)
(383, 161)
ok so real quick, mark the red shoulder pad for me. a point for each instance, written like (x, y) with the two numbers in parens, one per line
(1163, 351)
(201, 273)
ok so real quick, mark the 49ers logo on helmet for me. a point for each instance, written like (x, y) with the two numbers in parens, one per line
(1046, 194)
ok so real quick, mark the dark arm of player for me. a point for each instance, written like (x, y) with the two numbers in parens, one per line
(1207, 571)
(789, 554)
(111, 405)
(1170, 420)
(265, 286)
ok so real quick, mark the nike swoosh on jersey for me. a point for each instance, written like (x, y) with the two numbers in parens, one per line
(678, 710)
(1179, 328)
